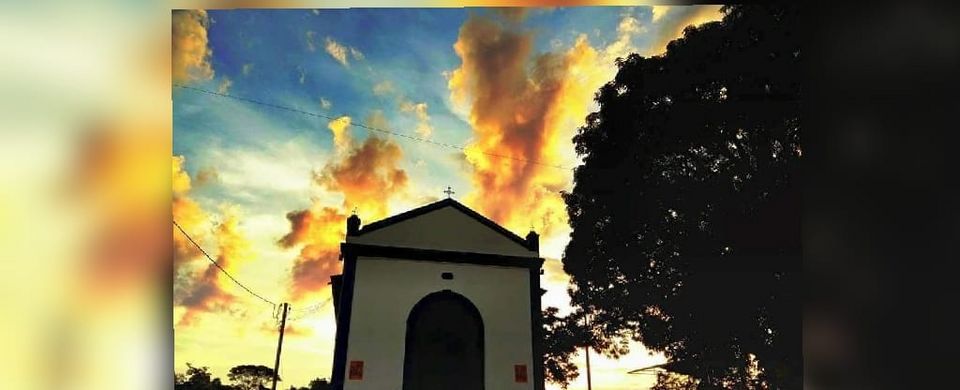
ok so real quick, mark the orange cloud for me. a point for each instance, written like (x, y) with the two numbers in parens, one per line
(512, 14)
(320, 231)
(191, 53)
(188, 215)
(208, 290)
(523, 107)
(367, 176)
(526, 106)
(205, 291)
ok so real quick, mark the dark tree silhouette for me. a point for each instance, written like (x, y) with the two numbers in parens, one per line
(559, 343)
(670, 381)
(246, 376)
(197, 378)
(251, 377)
(320, 384)
(564, 336)
(685, 212)
(315, 384)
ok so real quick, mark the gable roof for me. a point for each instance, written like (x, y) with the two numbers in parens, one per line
(449, 202)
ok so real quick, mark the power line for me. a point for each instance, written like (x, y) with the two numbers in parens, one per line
(311, 310)
(221, 268)
(361, 125)
(314, 307)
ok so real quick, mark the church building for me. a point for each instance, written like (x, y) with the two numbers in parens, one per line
(437, 298)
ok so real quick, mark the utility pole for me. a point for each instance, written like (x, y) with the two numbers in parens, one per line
(589, 385)
(586, 319)
(276, 364)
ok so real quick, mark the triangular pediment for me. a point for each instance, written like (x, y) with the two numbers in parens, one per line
(444, 225)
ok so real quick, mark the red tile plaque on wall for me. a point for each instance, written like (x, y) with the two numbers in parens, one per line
(356, 370)
(520, 373)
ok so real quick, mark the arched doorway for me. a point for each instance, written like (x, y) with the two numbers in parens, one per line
(444, 344)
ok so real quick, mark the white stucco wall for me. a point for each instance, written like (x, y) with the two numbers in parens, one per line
(385, 292)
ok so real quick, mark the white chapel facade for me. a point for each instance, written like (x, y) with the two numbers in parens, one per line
(438, 297)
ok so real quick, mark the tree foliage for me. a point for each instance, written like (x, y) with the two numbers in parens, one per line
(245, 377)
(320, 384)
(559, 343)
(251, 377)
(564, 335)
(315, 384)
(197, 378)
(670, 381)
(685, 212)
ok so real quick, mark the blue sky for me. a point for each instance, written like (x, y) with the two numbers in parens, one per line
(409, 48)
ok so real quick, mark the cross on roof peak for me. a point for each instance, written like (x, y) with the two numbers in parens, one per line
(449, 191)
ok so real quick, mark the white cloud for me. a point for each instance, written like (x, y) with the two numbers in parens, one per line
(627, 29)
(337, 51)
(383, 88)
(658, 12)
(424, 129)
(671, 25)
(225, 85)
(357, 55)
(275, 168)
(311, 35)
(340, 52)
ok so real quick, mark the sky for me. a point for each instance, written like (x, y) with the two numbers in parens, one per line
(382, 109)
